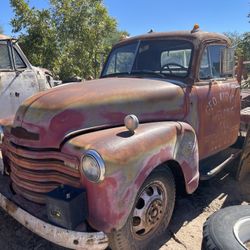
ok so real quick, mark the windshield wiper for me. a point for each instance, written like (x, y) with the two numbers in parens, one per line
(136, 73)
(116, 74)
(147, 72)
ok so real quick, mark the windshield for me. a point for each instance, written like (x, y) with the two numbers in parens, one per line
(159, 58)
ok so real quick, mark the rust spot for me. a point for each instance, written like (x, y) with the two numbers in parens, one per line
(90, 241)
(10, 207)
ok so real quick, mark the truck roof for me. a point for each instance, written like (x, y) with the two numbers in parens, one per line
(198, 35)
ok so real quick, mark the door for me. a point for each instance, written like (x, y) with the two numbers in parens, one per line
(218, 104)
(17, 79)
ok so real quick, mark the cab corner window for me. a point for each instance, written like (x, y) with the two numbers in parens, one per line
(5, 62)
(18, 60)
(212, 62)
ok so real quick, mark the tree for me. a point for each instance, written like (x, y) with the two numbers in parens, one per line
(245, 45)
(234, 36)
(1, 30)
(83, 26)
(241, 42)
(70, 37)
(38, 35)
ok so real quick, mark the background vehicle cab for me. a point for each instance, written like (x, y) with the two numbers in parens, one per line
(18, 78)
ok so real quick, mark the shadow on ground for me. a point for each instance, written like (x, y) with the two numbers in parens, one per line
(222, 191)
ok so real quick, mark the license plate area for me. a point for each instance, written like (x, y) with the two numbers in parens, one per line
(67, 206)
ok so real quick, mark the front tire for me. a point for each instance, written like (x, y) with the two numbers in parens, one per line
(150, 215)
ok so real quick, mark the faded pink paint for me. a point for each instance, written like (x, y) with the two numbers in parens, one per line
(125, 171)
(86, 108)
(179, 121)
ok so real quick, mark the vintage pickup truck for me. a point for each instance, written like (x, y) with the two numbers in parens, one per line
(163, 115)
(18, 78)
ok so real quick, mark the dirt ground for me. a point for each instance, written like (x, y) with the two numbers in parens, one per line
(185, 231)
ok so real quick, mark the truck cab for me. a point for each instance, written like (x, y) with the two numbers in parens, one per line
(18, 78)
(202, 65)
(164, 104)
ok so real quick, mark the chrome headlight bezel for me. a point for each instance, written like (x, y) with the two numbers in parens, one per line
(99, 164)
(1, 134)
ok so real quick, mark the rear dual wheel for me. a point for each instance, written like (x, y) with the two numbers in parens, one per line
(150, 215)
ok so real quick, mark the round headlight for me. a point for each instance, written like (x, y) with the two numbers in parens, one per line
(92, 166)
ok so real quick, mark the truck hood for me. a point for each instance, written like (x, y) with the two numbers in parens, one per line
(47, 118)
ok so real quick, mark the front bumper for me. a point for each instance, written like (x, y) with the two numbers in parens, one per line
(55, 234)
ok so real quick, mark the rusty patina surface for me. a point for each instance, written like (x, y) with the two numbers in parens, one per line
(61, 111)
(60, 236)
(181, 121)
(56, 114)
(129, 162)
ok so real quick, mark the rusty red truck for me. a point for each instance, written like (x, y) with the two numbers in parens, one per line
(165, 105)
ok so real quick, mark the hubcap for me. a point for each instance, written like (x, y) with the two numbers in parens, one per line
(149, 209)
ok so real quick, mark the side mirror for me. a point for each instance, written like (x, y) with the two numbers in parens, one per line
(227, 62)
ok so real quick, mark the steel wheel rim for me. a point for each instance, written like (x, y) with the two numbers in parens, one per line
(241, 231)
(149, 209)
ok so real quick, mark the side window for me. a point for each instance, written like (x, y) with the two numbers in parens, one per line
(5, 62)
(18, 60)
(211, 62)
(121, 60)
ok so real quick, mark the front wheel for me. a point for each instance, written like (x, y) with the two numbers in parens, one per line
(150, 215)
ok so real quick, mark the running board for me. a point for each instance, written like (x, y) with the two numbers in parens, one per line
(210, 174)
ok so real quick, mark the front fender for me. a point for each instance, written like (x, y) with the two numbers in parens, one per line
(129, 159)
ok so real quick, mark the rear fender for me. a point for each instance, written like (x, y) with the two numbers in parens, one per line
(129, 160)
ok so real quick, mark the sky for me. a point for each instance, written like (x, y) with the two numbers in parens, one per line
(139, 16)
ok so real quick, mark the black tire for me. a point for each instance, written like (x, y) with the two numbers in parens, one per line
(220, 228)
(155, 200)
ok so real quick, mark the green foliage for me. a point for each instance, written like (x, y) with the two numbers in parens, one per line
(245, 48)
(38, 35)
(234, 36)
(241, 42)
(245, 45)
(70, 38)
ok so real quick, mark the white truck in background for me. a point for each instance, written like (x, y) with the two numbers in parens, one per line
(18, 78)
